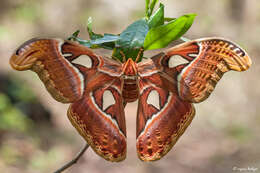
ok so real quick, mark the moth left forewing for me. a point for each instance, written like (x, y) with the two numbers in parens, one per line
(162, 117)
(99, 118)
(95, 90)
(52, 60)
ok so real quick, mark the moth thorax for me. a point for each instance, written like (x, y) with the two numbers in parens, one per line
(130, 68)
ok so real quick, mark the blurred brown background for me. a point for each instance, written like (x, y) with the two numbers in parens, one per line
(37, 137)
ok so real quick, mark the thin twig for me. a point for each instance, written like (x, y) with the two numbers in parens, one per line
(73, 161)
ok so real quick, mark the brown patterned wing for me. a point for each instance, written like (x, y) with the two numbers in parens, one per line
(99, 118)
(97, 111)
(208, 59)
(162, 116)
(52, 60)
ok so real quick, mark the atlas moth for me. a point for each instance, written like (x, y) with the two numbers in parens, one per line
(99, 91)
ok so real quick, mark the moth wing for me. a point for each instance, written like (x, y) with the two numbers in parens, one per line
(208, 60)
(52, 60)
(162, 116)
(100, 119)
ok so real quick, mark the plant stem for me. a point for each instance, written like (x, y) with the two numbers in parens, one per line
(73, 161)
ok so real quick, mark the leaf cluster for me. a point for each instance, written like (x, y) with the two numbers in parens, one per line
(154, 31)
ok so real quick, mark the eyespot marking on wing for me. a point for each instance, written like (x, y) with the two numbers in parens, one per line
(154, 99)
(193, 55)
(67, 55)
(108, 99)
(176, 60)
(84, 60)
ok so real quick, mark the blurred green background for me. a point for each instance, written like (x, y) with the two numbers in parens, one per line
(37, 137)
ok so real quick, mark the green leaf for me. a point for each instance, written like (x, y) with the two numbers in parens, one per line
(74, 35)
(147, 3)
(149, 7)
(153, 3)
(169, 19)
(133, 36)
(92, 35)
(107, 41)
(157, 18)
(161, 36)
(97, 40)
(107, 38)
(81, 41)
